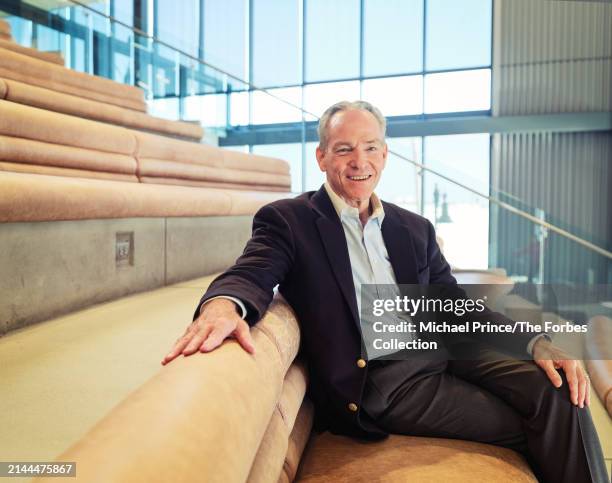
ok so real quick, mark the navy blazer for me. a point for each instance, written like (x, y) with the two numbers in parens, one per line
(299, 245)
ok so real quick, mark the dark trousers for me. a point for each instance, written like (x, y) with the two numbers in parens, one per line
(493, 399)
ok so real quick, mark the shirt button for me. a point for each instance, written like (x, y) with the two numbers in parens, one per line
(352, 407)
(361, 363)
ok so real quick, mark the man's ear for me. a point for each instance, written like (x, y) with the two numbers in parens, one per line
(385, 153)
(320, 155)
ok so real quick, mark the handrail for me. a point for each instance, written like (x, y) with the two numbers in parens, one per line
(513, 209)
(491, 199)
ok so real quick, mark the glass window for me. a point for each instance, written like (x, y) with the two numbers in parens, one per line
(210, 110)
(461, 217)
(124, 12)
(318, 97)
(225, 35)
(121, 42)
(468, 90)
(393, 37)
(332, 39)
(177, 24)
(276, 42)
(239, 108)
(395, 96)
(313, 176)
(458, 34)
(269, 110)
(290, 152)
(164, 108)
(399, 182)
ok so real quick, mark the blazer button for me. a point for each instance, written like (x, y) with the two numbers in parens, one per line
(361, 363)
(352, 407)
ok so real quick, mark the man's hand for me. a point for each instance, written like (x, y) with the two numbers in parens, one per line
(550, 358)
(217, 321)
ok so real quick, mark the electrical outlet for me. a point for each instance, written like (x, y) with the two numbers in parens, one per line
(124, 249)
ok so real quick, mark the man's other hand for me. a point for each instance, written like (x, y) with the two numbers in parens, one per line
(218, 320)
(550, 358)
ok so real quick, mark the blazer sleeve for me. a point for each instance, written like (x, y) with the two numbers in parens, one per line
(266, 260)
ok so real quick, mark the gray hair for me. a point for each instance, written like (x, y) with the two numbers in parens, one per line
(345, 106)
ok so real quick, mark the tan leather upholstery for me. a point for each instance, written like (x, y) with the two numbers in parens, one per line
(230, 416)
(211, 184)
(297, 441)
(38, 72)
(173, 169)
(238, 160)
(80, 144)
(199, 419)
(52, 57)
(34, 197)
(598, 361)
(40, 97)
(57, 171)
(26, 151)
(270, 456)
(158, 147)
(5, 27)
(17, 120)
(405, 458)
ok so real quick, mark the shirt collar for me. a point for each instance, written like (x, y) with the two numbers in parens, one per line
(342, 206)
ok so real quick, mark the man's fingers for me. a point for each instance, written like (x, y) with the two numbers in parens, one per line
(243, 336)
(551, 372)
(177, 349)
(196, 340)
(587, 398)
(213, 340)
(572, 379)
(582, 389)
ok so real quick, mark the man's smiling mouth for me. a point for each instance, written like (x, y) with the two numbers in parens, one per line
(360, 178)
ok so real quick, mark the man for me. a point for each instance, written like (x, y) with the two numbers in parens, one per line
(319, 248)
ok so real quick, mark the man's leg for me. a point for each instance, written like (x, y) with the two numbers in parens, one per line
(439, 405)
(561, 437)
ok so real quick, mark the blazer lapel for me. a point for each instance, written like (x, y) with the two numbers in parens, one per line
(334, 241)
(400, 248)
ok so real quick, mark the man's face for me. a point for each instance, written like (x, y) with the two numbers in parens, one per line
(355, 155)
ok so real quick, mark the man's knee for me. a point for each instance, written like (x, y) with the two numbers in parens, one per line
(546, 397)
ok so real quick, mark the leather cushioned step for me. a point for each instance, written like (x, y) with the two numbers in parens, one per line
(35, 197)
(55, 77)
(52, 57)
(47, 99)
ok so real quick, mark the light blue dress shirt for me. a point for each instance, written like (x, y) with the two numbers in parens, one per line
(370, 264)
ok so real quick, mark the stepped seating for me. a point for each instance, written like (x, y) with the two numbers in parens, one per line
(72, 155)
(40, 73)
(37, 82)
(53, 57)
(36, 141)
(5, 30)
(27, 78)
(47, 99)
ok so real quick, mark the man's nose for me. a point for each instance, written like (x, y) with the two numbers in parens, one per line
(358, 160)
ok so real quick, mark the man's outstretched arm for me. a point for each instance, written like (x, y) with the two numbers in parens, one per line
(267, 258)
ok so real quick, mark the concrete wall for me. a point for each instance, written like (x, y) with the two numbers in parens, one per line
(51, 268)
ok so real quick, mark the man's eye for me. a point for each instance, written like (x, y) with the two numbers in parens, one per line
(342, 151)
(372, 148)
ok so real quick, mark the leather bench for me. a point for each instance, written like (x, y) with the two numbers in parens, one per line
(229, 416)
